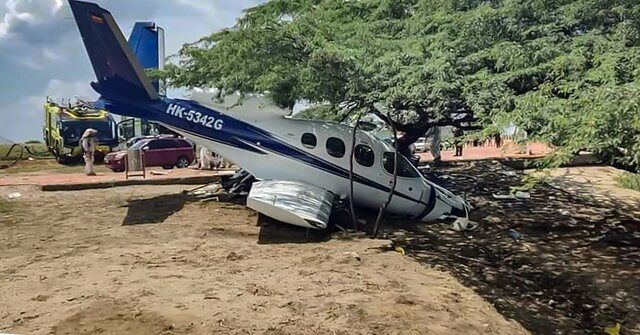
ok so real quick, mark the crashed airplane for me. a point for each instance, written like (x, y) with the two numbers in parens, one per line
(302, 166)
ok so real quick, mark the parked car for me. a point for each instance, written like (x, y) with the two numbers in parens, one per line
(164, 151)
(421, 145)
(137, 139)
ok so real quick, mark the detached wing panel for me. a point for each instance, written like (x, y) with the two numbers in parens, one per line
(292, 202)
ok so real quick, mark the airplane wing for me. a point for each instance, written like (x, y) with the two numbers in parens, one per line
(292, 202)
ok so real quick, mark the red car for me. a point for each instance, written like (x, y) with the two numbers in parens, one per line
(165, 152)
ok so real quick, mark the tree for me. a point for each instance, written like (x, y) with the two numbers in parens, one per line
(566, 71)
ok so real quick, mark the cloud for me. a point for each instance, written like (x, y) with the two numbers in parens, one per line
(24, 117)
(41, 52)
(31, 21)
(31, 30)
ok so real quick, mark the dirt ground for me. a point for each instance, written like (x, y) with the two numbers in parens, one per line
(150, 260)
(564, 261)
(593, 180)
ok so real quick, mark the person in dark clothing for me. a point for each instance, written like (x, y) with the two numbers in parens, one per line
(498, 140)
(457, 138)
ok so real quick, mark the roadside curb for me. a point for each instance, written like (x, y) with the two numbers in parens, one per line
(196, 180)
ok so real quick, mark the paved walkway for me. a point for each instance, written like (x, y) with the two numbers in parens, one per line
(51, 181)
(76, 181)
(509, 150)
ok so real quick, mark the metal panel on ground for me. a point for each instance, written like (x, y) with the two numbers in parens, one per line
(292, 202)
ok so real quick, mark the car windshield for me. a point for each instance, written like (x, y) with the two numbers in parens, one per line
(138, 145)
(73, 130)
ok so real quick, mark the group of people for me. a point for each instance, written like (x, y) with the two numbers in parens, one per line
(459, 142)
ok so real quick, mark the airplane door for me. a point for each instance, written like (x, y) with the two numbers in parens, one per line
(408, 184)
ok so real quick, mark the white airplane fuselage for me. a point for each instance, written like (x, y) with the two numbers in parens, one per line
(257, 136)
(414, 195)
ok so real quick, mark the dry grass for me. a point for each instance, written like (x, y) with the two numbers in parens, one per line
(48, 166)
(38, 149)
(629, 180)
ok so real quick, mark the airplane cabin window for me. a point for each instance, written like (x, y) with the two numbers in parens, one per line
(364, 155)
(405, 169)
(335, 147)
(309, 140)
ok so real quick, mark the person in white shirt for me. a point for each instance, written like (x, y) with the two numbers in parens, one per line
(436, 140)
(89, 144)
(205, 159)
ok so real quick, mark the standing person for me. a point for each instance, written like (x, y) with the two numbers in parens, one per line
(89, 144)
(435, 144)
(457, 139)
(498, 140)
(205, 159)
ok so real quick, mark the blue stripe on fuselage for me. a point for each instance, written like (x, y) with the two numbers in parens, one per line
(236, 133)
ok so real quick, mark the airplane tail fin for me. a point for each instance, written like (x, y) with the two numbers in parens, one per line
(147, 42)
(119, 73)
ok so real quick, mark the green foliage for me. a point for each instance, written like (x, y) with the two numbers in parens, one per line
(566, 71)
(325, 113)
(629, 180)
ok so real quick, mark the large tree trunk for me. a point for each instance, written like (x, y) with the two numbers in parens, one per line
(412, 132)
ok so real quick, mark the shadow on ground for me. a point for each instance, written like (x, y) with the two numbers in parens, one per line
(154, 210)
(559, 262)
(275, 232)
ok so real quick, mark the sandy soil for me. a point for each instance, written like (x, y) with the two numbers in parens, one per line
(590, 180)
(149, 260)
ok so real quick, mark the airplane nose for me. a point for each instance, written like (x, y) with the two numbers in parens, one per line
(445, 204)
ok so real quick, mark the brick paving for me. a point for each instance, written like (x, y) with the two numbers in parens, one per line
(55, 179)
(508, 150)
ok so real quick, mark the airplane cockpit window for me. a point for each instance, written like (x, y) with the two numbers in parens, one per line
(335, 147)
(405, 169)
(364, 155)
(309, 140)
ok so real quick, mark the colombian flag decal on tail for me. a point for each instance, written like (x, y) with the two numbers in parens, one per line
(97, 19)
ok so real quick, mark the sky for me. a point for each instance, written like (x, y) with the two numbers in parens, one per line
(41, 53)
